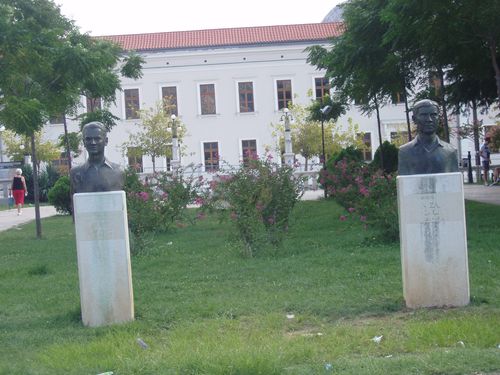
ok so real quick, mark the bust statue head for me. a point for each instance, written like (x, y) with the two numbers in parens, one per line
(94, 139)
(426, 116)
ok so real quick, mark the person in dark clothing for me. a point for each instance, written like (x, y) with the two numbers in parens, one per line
(19, 190)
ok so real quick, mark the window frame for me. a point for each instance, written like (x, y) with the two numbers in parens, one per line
(124, 113)
(367, 153)
(315, 89)
(92, 101)
(200, 106)
(162, 86)
(276, 93)
(238, 98)
(136, 161)
(241, 150)
(203, 161)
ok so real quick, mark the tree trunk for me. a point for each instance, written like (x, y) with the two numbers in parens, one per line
(379, 127)
(443, 106)
(154, 163)
(305, 163)
(475, 127)
(68, 155)
(68, 150)
(36, 188)
(494, 63)
(405, 99)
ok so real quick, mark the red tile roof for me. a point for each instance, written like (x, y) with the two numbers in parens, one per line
(228, 37)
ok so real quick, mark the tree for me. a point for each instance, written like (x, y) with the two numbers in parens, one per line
(155, 135)
(17, 146)
(306, 134)
(46, 64)
(362, 68)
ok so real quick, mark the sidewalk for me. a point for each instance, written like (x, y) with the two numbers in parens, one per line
(473, 192)
(9, 218)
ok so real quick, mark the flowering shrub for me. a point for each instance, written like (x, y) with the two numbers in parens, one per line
(258, 198)
(159, 203)
(366, 193)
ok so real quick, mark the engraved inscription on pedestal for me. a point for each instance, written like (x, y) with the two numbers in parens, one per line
(433, 240)
(103, 258)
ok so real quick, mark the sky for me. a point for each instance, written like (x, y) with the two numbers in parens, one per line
(114, 17)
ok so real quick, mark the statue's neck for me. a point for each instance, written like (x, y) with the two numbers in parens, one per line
(427, 138)
(96, 159)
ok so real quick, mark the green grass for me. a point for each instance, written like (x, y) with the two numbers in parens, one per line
(204, 309)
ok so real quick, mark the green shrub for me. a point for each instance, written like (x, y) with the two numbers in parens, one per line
(47, 179)
(158, 204)
(390, 153)
(350, 153)
(367, 194)
(60, 195)
(258, 198)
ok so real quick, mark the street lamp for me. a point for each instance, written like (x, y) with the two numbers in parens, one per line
(2, 129)
(324, 111)
(289, 155)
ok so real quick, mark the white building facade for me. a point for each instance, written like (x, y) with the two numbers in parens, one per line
(228, 86)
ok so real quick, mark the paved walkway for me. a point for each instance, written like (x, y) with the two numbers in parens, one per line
(479, 193)
(9, 218)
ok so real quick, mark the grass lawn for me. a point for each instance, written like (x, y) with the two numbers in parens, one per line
(201, 308)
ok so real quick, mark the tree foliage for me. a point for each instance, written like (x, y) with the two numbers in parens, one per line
(46, 64)
(17, 146)
(307, 135)
(155, 135)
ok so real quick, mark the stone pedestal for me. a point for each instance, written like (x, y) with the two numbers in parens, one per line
(433, 240)
(104, 270)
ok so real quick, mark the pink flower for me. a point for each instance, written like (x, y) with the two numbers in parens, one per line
(343, 218)
(364, 191)
(233, 215)
(144, 196)
(201, 215)
(270, 220)
(259, 206)
(351, 209)
(199, 200)
(362, 218)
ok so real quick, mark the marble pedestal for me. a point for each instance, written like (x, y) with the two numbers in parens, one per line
(433, 240)
(103, 250)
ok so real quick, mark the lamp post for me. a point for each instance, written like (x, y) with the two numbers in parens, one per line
(2, 129)
(324, 111)
(289, 155)
(175, 145)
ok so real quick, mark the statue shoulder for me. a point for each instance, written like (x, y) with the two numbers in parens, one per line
(408, 146)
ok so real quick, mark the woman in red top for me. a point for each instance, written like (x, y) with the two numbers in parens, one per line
(19, 190)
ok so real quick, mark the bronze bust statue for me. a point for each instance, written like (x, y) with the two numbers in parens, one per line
(97, 174)
(426, 154)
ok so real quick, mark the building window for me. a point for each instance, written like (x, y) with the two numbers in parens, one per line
(366, 138)
(131, 103)
(321, 87)
(169, 97)
(93, 104)
(397, 98)
(134, 155)
(435, 83)
(56, 119)
(207, 99)
(249, 149)
(245, 94)
(399, 138)
(211, 156)
(169, 163)
(284, 93)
